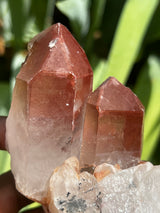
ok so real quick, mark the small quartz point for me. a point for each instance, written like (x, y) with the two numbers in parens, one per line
(45, 122)
(132, 190)
(103, 170)
(113, 126)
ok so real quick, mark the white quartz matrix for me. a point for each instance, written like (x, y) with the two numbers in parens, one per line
(136, 189)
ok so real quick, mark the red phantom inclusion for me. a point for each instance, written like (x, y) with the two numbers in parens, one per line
(113, 126)
(45, 122)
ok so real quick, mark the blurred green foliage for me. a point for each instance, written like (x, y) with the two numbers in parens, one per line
(121, 39)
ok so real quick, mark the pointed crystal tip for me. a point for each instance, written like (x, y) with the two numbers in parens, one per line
(113, 126)
(112, 95)
(55, 50)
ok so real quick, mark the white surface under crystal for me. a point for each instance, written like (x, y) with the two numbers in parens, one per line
(133, 190)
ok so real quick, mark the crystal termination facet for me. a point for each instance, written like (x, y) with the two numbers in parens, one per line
(113, 126)
(45, 122)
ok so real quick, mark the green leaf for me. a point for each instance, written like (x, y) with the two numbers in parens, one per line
(24, 19)
(17, 61)
(132, 27)
(4, 98)
(5, 15)
(19, 13)
(4, 162)
(49, 13)
(99, 73)
(31, 206)
(77, 12)
(97, 11)
(154, 29)
(30, 30)
(43, 15)
(148, 90)
(38, 19)
(4, 107)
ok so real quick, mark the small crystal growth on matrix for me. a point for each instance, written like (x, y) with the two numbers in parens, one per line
(113, 126)
(71, 191)
(45, 122)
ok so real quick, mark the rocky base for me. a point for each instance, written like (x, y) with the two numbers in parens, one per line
(108, 189)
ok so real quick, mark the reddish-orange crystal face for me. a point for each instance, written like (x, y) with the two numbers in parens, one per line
(56, 72)
(113, 126)
(45, 123)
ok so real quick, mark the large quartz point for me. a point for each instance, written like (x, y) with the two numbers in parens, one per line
(132, 190)
(45, 122)
(113, 126)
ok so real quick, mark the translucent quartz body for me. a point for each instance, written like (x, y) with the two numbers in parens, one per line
(45, 122)
(113, 126)
(132, 190)
(70, 191)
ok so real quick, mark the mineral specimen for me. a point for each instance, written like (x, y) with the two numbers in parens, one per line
(45, 122)
(136, 189)
(113, 126)
(44, 131)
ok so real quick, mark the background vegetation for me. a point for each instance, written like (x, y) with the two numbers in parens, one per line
(121, 38)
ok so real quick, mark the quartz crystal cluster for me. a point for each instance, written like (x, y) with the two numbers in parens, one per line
(74, 150)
